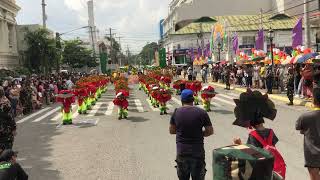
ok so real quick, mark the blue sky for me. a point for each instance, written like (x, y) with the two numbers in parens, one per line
(137, 21)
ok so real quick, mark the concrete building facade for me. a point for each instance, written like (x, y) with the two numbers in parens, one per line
(8, 36)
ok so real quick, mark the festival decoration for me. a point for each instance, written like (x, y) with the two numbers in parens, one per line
(179, 86)
(163, 96)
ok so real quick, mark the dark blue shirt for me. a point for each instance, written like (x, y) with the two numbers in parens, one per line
(189, 122)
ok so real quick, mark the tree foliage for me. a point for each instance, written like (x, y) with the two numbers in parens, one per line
(41, 52)
(76, 55)
(147, 53)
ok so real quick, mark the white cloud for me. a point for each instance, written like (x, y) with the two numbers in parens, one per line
(137, 21)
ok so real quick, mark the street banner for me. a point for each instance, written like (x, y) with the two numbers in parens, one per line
(103, 62)
(260, 40)
(297, 34)
(235, 43)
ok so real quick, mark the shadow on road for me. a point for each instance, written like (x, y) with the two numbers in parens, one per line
(220, 111)
(137, 119)
(33, 144)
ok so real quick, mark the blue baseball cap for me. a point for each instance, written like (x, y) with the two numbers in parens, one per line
(187, 95)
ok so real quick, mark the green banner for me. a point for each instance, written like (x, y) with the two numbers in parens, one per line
(103, 62)
(162, 58)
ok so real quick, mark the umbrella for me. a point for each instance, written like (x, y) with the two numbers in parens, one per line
(294, 59)
(307, 57)
(258, 58)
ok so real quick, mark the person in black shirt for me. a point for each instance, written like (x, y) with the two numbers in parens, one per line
(290, 86)
(9, 168)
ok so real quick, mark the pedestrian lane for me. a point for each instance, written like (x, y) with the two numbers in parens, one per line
(105, 107)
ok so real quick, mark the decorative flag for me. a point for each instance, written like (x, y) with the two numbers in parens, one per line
(208, 50)
(199, 52)
(260, 40)
(218, 32)
(297, 34)
(192, 54)
(211, 40)
(235, 43)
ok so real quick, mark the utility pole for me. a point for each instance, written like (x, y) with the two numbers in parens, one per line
(307, 24)
(111, 47)
(44, 16)
(93, 45)
(120, 60)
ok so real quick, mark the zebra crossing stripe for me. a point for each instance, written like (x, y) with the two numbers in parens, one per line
(153, 108)
(224, 101)
(46, 115)
(110, 109)
(95, 109)
(176, 100)
(225, 96)
(139, 105)
(216, 104)
(32, 115)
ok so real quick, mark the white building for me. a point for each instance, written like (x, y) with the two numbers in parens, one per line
(236, 16)
(8, 38)
(22, 45)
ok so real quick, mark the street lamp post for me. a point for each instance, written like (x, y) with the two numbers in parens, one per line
(219, 51)
(271, 37)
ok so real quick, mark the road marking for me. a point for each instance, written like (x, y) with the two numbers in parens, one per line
(47, 114)
(216, 104)
(225, 96)
(95, 109)
(139, 105)
(153, 108)
(32, 115)
(110, 109)
(225, 101)
(176, 100)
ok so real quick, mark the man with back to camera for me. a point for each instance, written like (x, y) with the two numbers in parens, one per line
(9, 168)
(187, 122)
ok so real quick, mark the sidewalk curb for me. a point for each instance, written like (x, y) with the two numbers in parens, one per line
(296, 102)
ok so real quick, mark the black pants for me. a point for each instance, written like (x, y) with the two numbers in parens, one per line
(249, 81)
(269, 84)
(290, 93)
(190, 77)
(190, 166)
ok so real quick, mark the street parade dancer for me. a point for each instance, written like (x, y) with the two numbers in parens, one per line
(179, 86)
(122, 103)
(154, 95)
(66, 97)
(195, 86)
(164, 95)
(165, 81)
(207, 94)
(82, 95)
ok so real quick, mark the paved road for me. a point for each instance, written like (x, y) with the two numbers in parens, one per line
(100, 147)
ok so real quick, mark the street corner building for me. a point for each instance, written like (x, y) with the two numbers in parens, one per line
(8, 38)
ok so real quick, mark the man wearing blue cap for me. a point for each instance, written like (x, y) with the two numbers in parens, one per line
(187, 122)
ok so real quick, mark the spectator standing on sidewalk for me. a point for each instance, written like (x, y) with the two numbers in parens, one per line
(281, 78)
(309, 125)
(256, 76)
(269, 79)
(239, 76)
(190, 73)
(9, 168)
(290, 86)
(263, 76)
(187, 122)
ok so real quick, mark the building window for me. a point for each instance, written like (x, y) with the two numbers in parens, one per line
(10, 35)
(246, 40)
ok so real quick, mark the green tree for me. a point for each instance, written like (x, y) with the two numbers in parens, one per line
(115, 50)
(41, 51)
(77, 56)
(147, 53)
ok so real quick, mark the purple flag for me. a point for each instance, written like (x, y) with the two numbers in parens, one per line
(199, 52)
(208, 50)
(297, 34)
(260, 40)
(192, 54)
(235, 43)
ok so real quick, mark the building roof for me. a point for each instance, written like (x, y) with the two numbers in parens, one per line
(240, 23)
